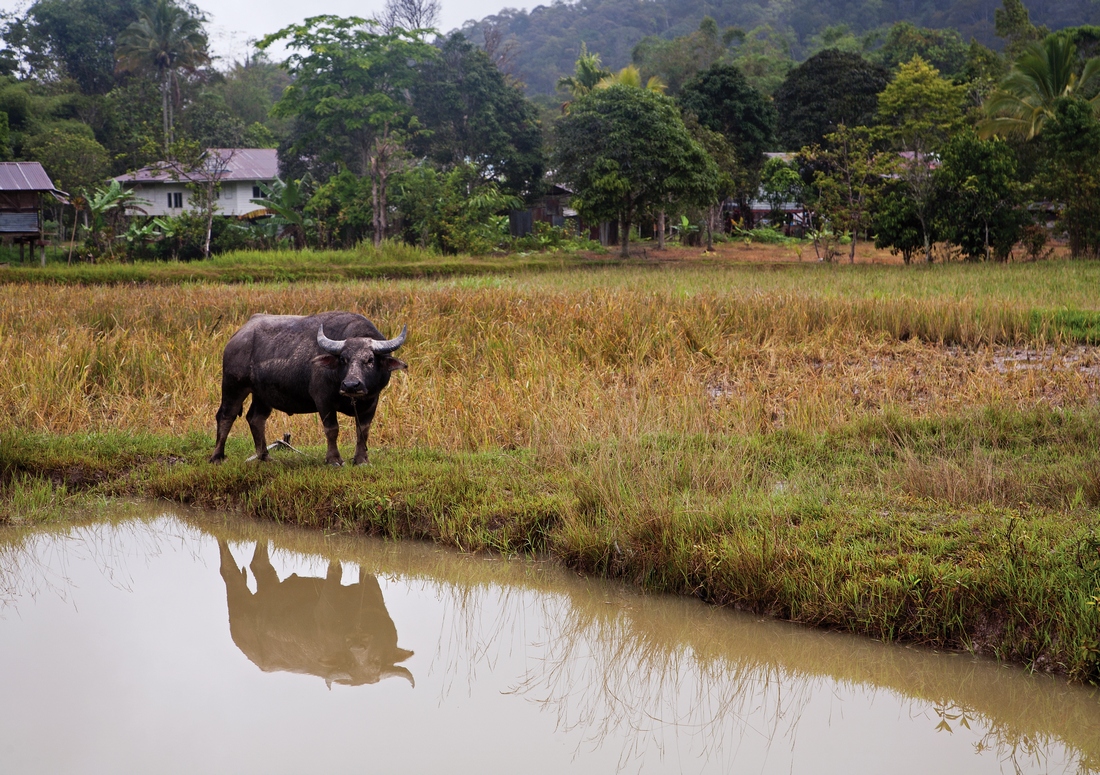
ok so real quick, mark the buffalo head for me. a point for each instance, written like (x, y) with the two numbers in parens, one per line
(363, 364)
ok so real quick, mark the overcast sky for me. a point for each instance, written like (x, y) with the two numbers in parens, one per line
(233, 23)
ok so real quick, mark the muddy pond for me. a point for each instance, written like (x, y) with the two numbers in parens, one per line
(172, 641)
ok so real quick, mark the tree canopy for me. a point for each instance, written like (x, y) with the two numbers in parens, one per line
(351, 80)
(625, 151)
(828, 89)
(724, 102)
(468, 113)
(1044, 73)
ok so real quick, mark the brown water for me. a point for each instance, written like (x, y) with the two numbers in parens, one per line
(140, 646)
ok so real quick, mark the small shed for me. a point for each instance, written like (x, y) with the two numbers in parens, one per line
(22, 184)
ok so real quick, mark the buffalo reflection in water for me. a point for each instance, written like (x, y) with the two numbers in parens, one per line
(311, 625)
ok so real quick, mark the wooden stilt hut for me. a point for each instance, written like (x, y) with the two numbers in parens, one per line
(22, 186)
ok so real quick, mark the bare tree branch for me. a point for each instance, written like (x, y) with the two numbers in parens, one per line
(410, 14)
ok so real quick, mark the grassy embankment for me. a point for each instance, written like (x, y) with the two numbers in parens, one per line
(363, 263)
(905, 453)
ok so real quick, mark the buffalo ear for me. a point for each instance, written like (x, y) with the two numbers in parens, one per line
(389, 363)
(326, 361)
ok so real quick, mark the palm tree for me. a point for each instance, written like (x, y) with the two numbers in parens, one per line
(1045, 72)
(587, 73)
(632, 76)
(164, 41)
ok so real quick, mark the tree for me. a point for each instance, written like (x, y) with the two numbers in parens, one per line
(825, 91)
(731, 176)
(470, 114)
(250, 89)
(676, 61)
(74, 160)
(781, 183)
(587, 72)
(131, 128)
(1072, 177)
(918, 111)
(352, 81)
(165, 41)
(1012, 23)
(454, 211)
(943, 49)
(979, 196)
(107, 207)
(410, 14)
(340, 209)
(850, 172)
(1044, 73)
(724, 102)
(203, 170)
(764, 56)
(983, 70)
(74, 38)
(895, 223)
(632, 76)
(625, 151)
(5, 137)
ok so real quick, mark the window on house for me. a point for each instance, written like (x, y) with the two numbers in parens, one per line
(175, 199)
(256, 193)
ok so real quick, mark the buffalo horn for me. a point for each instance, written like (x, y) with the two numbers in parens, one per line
(389, 345)
(334, 346)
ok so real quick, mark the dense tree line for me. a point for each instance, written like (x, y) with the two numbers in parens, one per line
(769, 34)
(389, 130)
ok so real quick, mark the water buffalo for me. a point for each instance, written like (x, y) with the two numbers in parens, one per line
(289, 363)
(309, 625)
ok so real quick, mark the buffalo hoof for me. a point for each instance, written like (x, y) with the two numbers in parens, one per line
(217, 458)
(360, 462)
(335, 463)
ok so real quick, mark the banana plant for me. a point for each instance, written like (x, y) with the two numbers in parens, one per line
(285, 201)
(106, 207)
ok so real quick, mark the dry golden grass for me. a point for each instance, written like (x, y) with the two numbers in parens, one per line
(533, 363)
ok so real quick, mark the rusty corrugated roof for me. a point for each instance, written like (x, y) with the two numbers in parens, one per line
(240, 164)
(24, 176)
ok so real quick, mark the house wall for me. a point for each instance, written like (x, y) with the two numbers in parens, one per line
(233, 200)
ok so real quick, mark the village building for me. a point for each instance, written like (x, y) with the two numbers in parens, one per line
(166, 188)
(22, 186)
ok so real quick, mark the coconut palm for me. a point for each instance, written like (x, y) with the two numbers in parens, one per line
(165, 41)
(1025, 99)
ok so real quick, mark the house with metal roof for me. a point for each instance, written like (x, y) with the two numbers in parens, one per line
(166, 188)
(22, 186)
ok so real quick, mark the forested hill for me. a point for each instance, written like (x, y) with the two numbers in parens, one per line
(547, 39)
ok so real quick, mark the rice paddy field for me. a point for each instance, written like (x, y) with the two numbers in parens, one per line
(910, 453)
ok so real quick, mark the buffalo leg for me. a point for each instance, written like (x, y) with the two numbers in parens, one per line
(257, 422)
(364, 416)
(332, 430)
(232, 404)
(266, 578)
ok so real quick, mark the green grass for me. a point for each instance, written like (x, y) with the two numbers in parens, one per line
(365, 262)
(858, 529)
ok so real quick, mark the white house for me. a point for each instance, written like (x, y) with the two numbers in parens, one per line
(240, 171)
